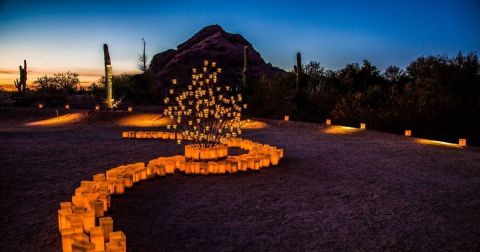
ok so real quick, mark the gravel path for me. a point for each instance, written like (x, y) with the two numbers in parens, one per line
(365, 191)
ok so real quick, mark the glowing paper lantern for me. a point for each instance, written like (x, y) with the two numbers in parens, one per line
(97, 107)
(212, 168)
(222, 167)
(188, 151)
(119, 238)
(363, 125)
(280, 152)
(196, 168)
(77, 201)
(65, 209)
(266, 161)
(204, 154)
(40, 106)
(257, 164)
(150, 171)
(98, 179)
(96, 237)
(97, 206)
(408, 133)
(113, 247)
(189, 167)
(244, 164)
(286, 118)
(67, 239)
(251, 163)
(462, 142)
(75, 222)
(67, 106)
(274, 157)
(105, 198)
(106, 223)
(213, 153)
(88, 220)
(328, 122)
(222, 151)
(119, 185)
(170, 167)
(234, 166)
(111, 185)
(130, 109)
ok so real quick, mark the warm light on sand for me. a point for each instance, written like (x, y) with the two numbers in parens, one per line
(63, 119)
(252, 124)
(144, 120)
(436, 143)
(340, 130)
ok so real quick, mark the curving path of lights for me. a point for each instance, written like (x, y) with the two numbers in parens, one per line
(82, 222)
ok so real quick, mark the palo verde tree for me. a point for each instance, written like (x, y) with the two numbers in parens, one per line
(204, 111)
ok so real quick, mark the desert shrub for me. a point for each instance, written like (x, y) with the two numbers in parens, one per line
(437, 96)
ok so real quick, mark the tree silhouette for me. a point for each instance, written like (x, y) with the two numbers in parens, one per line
(142, 58)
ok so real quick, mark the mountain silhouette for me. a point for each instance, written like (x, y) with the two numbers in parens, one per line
(215, 44)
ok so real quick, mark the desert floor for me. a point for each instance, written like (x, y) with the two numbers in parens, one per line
(366, 191)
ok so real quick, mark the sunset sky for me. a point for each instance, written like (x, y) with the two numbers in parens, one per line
(68, 35)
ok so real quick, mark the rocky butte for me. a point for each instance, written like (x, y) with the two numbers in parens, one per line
(212, 43)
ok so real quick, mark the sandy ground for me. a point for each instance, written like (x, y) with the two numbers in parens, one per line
(365, 191)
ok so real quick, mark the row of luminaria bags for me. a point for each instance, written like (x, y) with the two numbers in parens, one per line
(82, 222)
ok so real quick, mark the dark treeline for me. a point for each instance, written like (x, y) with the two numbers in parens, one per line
(61, 88)
(435, 96)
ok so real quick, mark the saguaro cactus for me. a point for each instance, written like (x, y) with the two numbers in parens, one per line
(108, 77)
(21, 84)
(245, 66)
(298, 69)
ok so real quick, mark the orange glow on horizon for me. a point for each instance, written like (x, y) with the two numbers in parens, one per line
(86, 76)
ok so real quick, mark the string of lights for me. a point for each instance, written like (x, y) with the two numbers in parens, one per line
(204, 111)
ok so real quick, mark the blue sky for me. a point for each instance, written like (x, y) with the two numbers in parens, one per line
(68, 35)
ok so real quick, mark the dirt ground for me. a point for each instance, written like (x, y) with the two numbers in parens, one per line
(366, 191)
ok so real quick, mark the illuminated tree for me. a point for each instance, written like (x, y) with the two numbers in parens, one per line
(204, 111)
